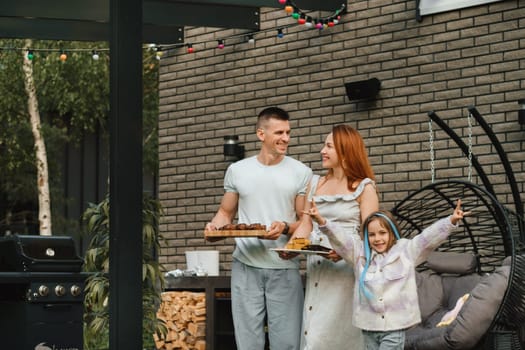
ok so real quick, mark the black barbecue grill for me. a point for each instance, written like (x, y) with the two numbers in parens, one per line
(41, 293)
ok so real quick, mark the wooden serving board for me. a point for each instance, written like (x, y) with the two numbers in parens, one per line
(235, 233)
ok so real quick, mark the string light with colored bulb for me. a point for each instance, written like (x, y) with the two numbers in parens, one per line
(33, 53)
(300, 17)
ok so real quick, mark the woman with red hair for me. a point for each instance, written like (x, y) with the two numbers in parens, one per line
(347, 195)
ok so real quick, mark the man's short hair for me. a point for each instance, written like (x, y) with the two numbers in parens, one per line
(271, 112)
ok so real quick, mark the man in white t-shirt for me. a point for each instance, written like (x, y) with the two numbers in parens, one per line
(269, 189)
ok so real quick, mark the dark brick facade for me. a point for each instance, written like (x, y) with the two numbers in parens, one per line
(446, 62)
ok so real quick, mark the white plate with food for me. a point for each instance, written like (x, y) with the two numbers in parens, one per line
(313, 249)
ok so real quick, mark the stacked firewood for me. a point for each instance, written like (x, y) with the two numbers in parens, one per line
(185, 316)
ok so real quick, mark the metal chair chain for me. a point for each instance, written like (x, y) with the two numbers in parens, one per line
(469, 118)
(431, 144)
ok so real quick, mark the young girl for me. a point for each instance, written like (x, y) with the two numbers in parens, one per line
(385, 297)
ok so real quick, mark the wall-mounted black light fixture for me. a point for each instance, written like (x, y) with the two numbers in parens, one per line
(232, 149)
(521, 112)
(363, 89)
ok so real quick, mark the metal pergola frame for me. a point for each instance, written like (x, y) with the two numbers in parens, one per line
(163, 20)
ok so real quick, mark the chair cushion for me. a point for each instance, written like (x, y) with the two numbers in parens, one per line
(439, 294)
(454, 287)
(452, 262)
(479, 310)
(419, 338)
(430, 293)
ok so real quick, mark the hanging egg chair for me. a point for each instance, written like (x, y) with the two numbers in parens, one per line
(493, 235)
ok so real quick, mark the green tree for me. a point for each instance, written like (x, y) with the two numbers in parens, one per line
(73, 100)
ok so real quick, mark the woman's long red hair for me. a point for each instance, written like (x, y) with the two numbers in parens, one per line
(351, 151)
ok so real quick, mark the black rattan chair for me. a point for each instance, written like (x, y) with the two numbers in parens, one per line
(492, 233)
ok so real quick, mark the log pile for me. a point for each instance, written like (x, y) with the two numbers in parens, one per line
(185, 316)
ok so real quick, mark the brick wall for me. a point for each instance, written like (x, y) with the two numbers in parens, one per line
(446, 62)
